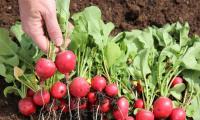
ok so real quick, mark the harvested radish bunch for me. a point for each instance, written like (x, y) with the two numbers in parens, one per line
(144, 115)
(162, 107)
(41, 97)
(111, 90)
(178, 114)
(65, 61)
(139, 103)
(105, 105)
(79, 87)
(91, 97)
(122, 109)
(177, 80)
(98, 83)
(58, 90)
(45, 68)
(26, 106)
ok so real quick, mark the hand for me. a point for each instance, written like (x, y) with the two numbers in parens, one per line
(34, 14)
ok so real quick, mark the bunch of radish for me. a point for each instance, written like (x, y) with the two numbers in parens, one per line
(162, 107)
(104, 97)
(98, 95)
(65, 62)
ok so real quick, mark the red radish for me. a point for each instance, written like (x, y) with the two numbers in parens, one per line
(65, 61)
(41, 97)
(98, 83)
(178, 114)
(139, 103)
(45, 68)
(30, 93)
(162, 107)
(91, 97)
(105, 106)
(111, 90)
(26, 106)
(144, 115)
(79, 87)
(177, 80)
(58, 90)
(129, 118)
(122, 110)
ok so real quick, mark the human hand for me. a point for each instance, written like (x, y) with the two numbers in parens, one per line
(34, 15)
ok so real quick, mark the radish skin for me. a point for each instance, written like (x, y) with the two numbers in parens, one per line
(98, 83)
(26, 106)
(41, 97)
(45, 68)
(79, 87)
(162, 108)
(65, 61)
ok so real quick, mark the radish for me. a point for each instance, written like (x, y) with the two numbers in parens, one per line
(122, 110)
(139, 103)
(45, 68)
(65, 61)
(26, 106)
(105, 106)
(178, 114)
(30, 93)
(91, 97)
(177, 80)
(98, 83)
(58, 90)
(162, 107)
(41, 97)
(144, 115)
(111, 90)
(129, 118)
(79, 87)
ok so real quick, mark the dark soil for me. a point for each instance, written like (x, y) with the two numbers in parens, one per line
(125, 14)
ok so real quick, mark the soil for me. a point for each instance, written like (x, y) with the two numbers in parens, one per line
(125, 14)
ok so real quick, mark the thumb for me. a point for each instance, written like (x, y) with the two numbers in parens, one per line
(53, 29)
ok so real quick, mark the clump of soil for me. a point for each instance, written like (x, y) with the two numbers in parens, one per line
(125, 14)
(130, 14)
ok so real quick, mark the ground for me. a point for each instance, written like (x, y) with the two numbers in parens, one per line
(125, 14)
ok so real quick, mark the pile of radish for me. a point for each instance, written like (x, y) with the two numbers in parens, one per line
(99, 95)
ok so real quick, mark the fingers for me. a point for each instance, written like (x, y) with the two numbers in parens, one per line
(53, 28)
(37, 34)
(34, 28)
